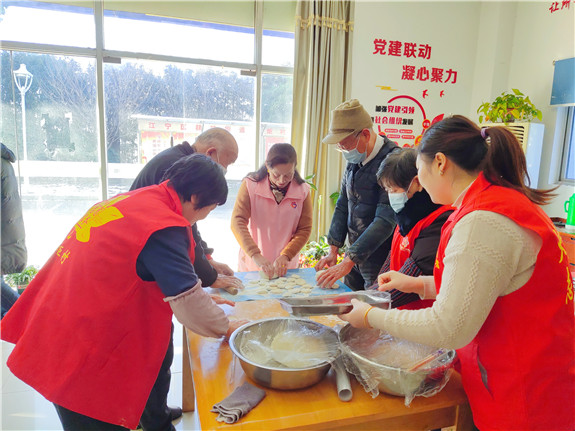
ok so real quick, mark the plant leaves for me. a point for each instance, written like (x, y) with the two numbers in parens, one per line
(508, 107)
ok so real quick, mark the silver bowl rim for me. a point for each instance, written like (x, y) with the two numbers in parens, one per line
(347, 350)
(239, 355)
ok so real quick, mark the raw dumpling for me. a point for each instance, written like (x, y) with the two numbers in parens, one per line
(264, 276)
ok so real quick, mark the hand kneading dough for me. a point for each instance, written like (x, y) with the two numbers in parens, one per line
(298, 351)
(264, 276)
(320, 272)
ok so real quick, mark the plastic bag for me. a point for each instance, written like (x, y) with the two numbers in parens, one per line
(383, 363)
(289, 343)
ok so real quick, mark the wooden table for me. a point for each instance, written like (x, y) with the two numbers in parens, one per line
(217, 372)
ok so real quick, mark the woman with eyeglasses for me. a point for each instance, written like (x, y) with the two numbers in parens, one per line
(272, 216)
(419, 223)
(502, 286)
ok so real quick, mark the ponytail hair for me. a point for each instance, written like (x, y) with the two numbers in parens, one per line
(278, 154)
(494, 151)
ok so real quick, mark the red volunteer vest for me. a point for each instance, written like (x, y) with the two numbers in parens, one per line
(89, 334)
(526, 347)
(402, 246)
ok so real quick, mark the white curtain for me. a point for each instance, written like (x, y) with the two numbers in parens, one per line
(321, 82)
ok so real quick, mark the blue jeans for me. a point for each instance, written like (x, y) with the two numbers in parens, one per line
(9, 297)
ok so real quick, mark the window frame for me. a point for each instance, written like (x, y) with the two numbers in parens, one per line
(103, 55)
(568, 145)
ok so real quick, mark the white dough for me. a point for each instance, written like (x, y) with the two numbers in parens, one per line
(264, 276)
(298, 351)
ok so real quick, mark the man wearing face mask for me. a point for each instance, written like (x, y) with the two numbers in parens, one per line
(362, 213)
(222, 148)
(419, 222)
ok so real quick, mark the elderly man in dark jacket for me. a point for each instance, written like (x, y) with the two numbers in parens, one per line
(14, 253)
(221, 146)
(362, 213)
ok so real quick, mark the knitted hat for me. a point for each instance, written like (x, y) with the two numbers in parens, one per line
(346, 119)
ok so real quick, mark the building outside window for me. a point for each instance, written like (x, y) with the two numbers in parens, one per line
(166, 76)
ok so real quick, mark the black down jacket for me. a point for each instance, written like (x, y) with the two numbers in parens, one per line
(362, 212)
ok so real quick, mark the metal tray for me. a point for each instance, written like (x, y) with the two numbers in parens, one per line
(333, 304)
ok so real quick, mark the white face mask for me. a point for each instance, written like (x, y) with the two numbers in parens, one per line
(354, 156)
(225, 170)
(397, 201)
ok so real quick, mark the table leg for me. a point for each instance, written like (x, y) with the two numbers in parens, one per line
(464, 418)
(188, 394)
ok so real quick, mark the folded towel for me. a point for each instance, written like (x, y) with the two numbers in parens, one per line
(238, 403)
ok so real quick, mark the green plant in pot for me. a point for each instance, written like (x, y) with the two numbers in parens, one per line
(508, 108)
(21, 279)
(313, 251)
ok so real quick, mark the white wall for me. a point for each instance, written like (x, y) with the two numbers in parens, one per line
(494, 46)
(540, 38)
(451, 31)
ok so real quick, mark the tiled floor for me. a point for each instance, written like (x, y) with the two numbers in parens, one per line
(24, 409)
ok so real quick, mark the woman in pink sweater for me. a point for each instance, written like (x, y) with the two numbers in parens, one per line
(272, 216)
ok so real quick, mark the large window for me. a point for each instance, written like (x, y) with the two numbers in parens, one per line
(47, 23)
(167, 74)
(177, 37)
(568, 159)
(51, 128)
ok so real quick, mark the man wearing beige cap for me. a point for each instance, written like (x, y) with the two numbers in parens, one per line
(362, 213)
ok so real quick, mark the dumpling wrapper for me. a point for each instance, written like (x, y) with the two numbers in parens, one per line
(298, 351)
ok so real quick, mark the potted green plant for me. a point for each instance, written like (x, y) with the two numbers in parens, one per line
(20, 280)
(313, 251)
(508, 108)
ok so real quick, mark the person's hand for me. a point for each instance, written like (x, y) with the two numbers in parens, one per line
(399, 281)
(221, 268)
(280, 265)
(356, 317)
(334, 273)
(264, 264)
(235, 324)
(220, 301)
(226, 281)
(329, 260)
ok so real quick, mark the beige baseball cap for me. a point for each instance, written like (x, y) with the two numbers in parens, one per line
(347, 118)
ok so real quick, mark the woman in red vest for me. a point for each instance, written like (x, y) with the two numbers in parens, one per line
(503, 291)
(92, 328)
(419, 223)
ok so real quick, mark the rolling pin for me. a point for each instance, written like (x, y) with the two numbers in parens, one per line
(231, 290)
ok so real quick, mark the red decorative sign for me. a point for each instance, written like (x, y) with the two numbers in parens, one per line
(423, 74)
(565, 4)
(396, 48)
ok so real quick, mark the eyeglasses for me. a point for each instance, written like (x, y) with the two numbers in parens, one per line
(347, 147)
